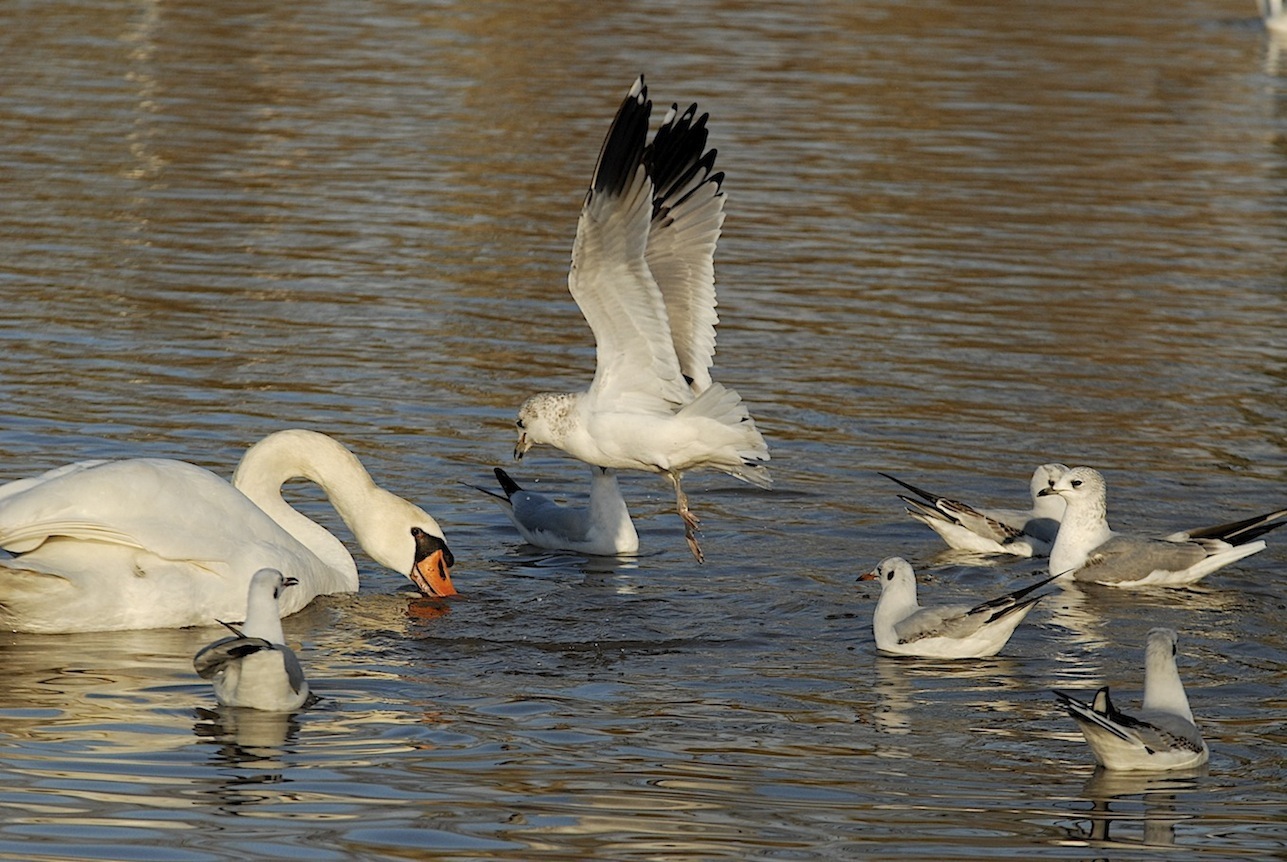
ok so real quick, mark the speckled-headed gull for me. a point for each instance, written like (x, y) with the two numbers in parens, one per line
(1021, 532)
(1087, 550)
(159, 543)
(903, 627)
(1160, 736)
(643, 275)
(254, 668)
(601, 527)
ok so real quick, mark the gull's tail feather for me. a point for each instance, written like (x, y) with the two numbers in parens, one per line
(746, 446)
(508, 485)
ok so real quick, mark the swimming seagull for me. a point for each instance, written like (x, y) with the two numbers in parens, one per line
(1092, 552)
(1272, 13)
(254, 668)
(903, 627)
(603, 527)
(1160, 736)
(643, 275)
(1021, 532)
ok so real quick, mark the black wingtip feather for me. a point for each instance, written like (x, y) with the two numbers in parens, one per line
(623, 147)
(676, 156)
(923, 494)
(1244, 531)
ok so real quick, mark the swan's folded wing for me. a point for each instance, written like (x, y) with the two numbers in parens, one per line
(610, 279)
(171, 509)
(19, 486)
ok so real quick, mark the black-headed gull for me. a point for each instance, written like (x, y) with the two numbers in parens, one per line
(643, 275)
(254, 668)
(903, 627)
(1161, 735)
(158, 543)
(1089, 551)
(601, 527)
(1020, 532)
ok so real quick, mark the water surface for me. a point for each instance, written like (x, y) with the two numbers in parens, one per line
(963, 239)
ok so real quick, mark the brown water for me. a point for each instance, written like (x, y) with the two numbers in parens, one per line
(963, 239)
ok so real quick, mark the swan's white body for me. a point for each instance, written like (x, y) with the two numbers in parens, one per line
(254, 668)
(1087, 550)
(1161, 736)
(602, 527)
(643, 276)
(158, 543)
(902, 627)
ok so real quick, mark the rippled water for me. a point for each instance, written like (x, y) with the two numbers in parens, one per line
(963, 239)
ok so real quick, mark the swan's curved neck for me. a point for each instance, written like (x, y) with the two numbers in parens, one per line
(287, 455)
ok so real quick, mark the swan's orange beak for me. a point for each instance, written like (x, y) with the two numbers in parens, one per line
(433, 576)
(431, 572)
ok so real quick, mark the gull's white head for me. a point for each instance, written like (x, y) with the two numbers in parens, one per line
(1081, 487)
(1161, 647)
(1047, 505)
(544, 418)
(266, 585)
(894, 574)
(1045, 477)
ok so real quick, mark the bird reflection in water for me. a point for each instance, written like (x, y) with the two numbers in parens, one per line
(252, 749)
(1149, 802)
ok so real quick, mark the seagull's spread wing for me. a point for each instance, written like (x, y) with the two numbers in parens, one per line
(610, 279)
(687, 213)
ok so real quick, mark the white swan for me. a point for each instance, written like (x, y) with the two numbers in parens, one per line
(157, 543)
(254, 668)
(603, 527)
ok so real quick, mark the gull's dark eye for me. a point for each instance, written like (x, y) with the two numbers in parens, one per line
(1076, 483)
(520, 424)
